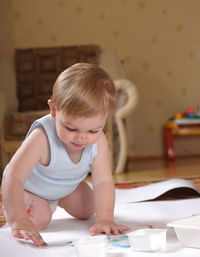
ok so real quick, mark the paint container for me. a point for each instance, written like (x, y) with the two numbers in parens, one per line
(93, 246)
(147, 239)
(187, 231)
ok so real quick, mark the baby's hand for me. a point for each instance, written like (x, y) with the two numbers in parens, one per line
(108, 227)
(25, 229)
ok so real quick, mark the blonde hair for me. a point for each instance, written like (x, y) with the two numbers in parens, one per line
(84, 90)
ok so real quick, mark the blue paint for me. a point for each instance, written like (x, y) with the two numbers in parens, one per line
(119, 245)
(119, 241)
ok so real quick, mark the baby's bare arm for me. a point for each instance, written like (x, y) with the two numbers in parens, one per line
(27, 156)
(104, 192)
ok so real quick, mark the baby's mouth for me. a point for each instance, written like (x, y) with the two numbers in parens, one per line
(77, 145)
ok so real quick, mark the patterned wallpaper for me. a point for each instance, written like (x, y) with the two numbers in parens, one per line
(158, 40)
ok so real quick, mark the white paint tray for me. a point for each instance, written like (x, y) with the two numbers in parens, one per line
(187, 231)
(147, 239)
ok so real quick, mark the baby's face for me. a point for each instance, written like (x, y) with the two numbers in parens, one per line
(79, 132)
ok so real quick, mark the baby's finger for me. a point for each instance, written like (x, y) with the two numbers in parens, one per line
(21, 234)
(123, 228)
(107, 230)
(115, 230)
(93, 231)
(17, 234)
(97, 229)
(37, 239)
(25, 234)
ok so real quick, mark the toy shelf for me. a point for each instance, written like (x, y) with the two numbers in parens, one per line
(179, 127)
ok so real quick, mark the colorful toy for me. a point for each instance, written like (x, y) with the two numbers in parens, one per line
(178, 115)
(189, 113)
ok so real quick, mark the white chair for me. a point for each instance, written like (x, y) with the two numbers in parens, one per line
(125, 108)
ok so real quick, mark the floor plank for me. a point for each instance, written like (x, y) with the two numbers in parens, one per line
(160, 169)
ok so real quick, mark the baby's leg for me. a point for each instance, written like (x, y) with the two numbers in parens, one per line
(38, 210)
(80, 203)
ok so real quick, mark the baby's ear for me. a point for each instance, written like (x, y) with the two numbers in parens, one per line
(52, 108)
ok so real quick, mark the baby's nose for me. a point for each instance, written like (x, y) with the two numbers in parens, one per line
(80, 138)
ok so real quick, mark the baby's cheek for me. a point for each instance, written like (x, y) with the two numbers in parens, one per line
(63, 137)
(95, 138)
(91, 141)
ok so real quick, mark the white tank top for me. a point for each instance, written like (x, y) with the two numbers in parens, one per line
(61, 176)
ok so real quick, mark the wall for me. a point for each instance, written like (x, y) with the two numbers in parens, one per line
(158, 40)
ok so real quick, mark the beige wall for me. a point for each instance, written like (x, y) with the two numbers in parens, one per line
(158, 40)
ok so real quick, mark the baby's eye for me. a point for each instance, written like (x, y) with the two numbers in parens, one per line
(93, 131)
(70, 129)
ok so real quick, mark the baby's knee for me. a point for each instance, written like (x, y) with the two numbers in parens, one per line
(41, 222)
(40, 219)
(86, 214)
(85, 217)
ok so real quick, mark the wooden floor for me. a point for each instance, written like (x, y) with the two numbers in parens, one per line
(160, 169)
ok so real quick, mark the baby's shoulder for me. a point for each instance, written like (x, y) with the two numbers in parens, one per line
(38, 135)
(39, 140)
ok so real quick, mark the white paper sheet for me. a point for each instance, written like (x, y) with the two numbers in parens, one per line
(64, 228)
(151, 191)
